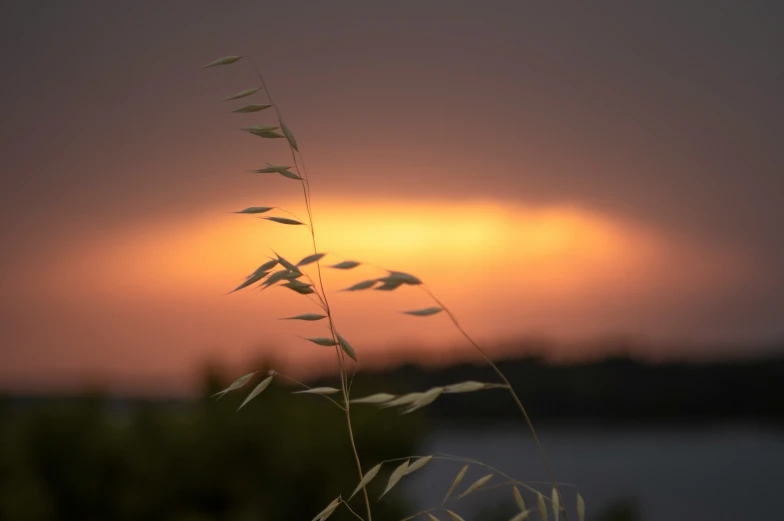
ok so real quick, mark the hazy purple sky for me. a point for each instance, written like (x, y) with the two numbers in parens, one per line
(666, 117)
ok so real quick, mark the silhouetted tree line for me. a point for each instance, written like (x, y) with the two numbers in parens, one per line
(612, 390)
(282, 457)
(286, 457)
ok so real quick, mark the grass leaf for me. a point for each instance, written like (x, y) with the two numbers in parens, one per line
(257, 130)
(476, 485)
(299, 287)
(427, 398)
(365, 284)
(277, 277)
(454, 516)
(286, 264)
(327, 511)
(522, 516)
(243, 93)
(347, 348)
(306, 316)
(322, 341)
(398, 473)
(236, 384)
(226, 60)
(267, 265)
(282, 220)
(403, 400)
(264, 131)
(542, 506)
(272, 169)
(269, 134)
(345, 265)
(580, 508)
(251, 108)
(255, 392)
(318, 390)
(405, 278)
(518, 498)
(289, 135)
(256, 209)
(389, 284)
(375, 398)
(465, 387)
(254, 278)
(426, 312)
(367, 478)
(456, 482)
(418, 464)
(311, 259)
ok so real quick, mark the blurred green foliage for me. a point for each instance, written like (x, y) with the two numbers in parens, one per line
(281, 457)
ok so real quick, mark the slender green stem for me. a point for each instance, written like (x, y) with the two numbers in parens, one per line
(323, 296)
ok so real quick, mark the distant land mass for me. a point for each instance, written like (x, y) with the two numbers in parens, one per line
(617, 389)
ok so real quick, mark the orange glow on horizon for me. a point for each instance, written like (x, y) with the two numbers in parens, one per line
(153, 299)
(561, 251)
(554, 250)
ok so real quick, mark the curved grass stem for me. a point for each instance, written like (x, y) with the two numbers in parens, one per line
(512, 392)
(323, 294)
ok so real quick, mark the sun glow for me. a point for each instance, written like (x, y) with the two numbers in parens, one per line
(553, 249)
(157, 292)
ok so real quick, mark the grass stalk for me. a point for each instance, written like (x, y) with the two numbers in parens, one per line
(323, 295)
(315, 290)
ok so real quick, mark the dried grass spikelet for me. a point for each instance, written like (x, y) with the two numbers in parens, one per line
(580, 508)
(426, 312)
(257, 391)
(556, 504)
(318, 390)
(522, 516)
(454, 516)
(310, 317)
(456, 482)
(367, 478)
(476, 485)
(322, 341)
(311, 259)
(418, 464)
(226, 60)
(518, 498)
(398, 473)
(427, 398)
(324, 514)
(346, 347)
(365, 284)
(465, 387)
(236, 384)
(243, 94)
(247, 109)
(345, 265)
(375, 398)
(403, 400)
(541, 505)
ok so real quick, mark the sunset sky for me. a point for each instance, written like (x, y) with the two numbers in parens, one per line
(600, 170)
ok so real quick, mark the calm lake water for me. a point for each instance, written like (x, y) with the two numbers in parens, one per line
(674, 473)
